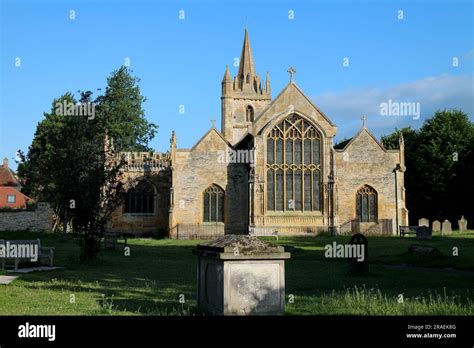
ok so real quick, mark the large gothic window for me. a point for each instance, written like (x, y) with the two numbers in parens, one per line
(140, 199)
(366, 204)
(213, 198)
(294, 166)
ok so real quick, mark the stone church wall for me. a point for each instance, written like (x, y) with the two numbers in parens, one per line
(236, 109)
(291, 101)
(193, 172)
(364, 162)
(156, 224)
(180, 189)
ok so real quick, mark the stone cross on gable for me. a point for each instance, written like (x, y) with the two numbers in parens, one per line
(292, 72)
(213, 121)
(363, 120)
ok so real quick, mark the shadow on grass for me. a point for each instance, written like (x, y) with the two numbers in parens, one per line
(152, 278)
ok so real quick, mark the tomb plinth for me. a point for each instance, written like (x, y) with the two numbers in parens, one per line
(241, 275)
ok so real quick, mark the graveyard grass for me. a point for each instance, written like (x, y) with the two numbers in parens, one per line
(160, 273)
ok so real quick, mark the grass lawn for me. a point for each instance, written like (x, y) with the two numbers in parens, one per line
(158, 272)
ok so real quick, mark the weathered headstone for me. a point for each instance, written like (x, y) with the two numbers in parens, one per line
(241, 275)
(356, 265)
(423, 232)
(462, 224)
(436, 226)
(424, 222)
(446, 227)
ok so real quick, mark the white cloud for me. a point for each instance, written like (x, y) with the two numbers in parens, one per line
(346, 108)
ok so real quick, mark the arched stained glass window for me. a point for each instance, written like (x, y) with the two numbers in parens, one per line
(366, 204)
(213, 203)
(294, 166)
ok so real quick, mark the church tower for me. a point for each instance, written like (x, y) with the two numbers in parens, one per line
(243, 97)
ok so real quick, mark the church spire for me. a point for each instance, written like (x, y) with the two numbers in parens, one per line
(243, 97)
(247, 81)
(246, 66)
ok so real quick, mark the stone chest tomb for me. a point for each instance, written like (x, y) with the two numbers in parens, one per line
(241, 275)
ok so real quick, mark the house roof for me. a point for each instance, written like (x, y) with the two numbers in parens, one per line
(7, 176)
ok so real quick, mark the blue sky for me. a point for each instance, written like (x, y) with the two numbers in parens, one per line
(182, 62)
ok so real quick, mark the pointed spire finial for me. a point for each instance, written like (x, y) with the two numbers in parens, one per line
(227, 76)
(363, 120)
(401, 139)
(246, 66)
(292, 72)
(173, 140)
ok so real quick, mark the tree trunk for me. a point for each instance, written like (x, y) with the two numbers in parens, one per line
(65, 221)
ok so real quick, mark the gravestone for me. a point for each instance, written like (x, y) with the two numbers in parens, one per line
(241, 275)
(423, 232)
(424, 222)
(462, 224)
(356, 266)
(446, 227)
(436, 226)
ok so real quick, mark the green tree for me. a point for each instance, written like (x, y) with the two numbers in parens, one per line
(70, 166)
(121, 109)
(445, 154)
(440, 166)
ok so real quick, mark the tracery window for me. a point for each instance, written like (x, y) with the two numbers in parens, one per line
(366, 204)
(213, 204)
(294, 166)
(140, 199)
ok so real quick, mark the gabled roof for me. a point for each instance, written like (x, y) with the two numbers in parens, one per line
(346, 143)
(7, 176)
(212, 129)
(292, 84)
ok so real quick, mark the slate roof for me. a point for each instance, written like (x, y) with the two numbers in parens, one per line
(342, 145)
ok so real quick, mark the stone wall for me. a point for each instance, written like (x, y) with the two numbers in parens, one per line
(37, 220)
(364, 162)
(195, 170)
(137, 224)
(233, 111)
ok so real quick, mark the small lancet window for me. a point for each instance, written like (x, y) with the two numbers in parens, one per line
(249, 114)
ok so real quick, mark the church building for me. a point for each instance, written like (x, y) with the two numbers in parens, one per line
(273, 166)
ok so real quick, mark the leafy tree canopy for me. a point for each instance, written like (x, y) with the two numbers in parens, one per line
(121, 109)
(440, 166)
